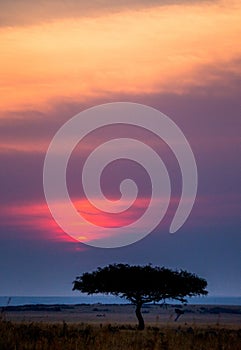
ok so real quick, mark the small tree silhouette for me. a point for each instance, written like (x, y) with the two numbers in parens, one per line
(141, 284)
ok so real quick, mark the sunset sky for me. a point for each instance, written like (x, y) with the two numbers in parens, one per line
(61, 57)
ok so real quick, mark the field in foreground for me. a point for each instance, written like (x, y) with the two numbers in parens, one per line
(113, 327)
(69, 336)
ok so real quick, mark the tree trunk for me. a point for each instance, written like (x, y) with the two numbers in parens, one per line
(141, 324)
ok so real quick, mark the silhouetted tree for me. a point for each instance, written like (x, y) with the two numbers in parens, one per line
(141, 284)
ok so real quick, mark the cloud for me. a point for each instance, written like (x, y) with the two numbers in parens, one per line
(27, 12)
(123, 53)
(211, 123)
(213, 92)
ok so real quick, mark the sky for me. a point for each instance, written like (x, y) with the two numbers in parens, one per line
(59, 58)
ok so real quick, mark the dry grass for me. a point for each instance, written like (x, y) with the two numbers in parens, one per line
(55, 336)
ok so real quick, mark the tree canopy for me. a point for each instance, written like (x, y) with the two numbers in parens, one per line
(141, 284)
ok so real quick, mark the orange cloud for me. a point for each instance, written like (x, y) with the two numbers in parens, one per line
(159, 49)
(35, 220)
(37, 217)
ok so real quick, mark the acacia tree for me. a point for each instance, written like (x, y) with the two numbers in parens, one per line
(141, 284)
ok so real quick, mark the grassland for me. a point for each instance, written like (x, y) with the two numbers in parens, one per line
(63, 336)
(113, 327)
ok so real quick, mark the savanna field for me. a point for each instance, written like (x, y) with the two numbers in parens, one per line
(67, 336)
(114, 327)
